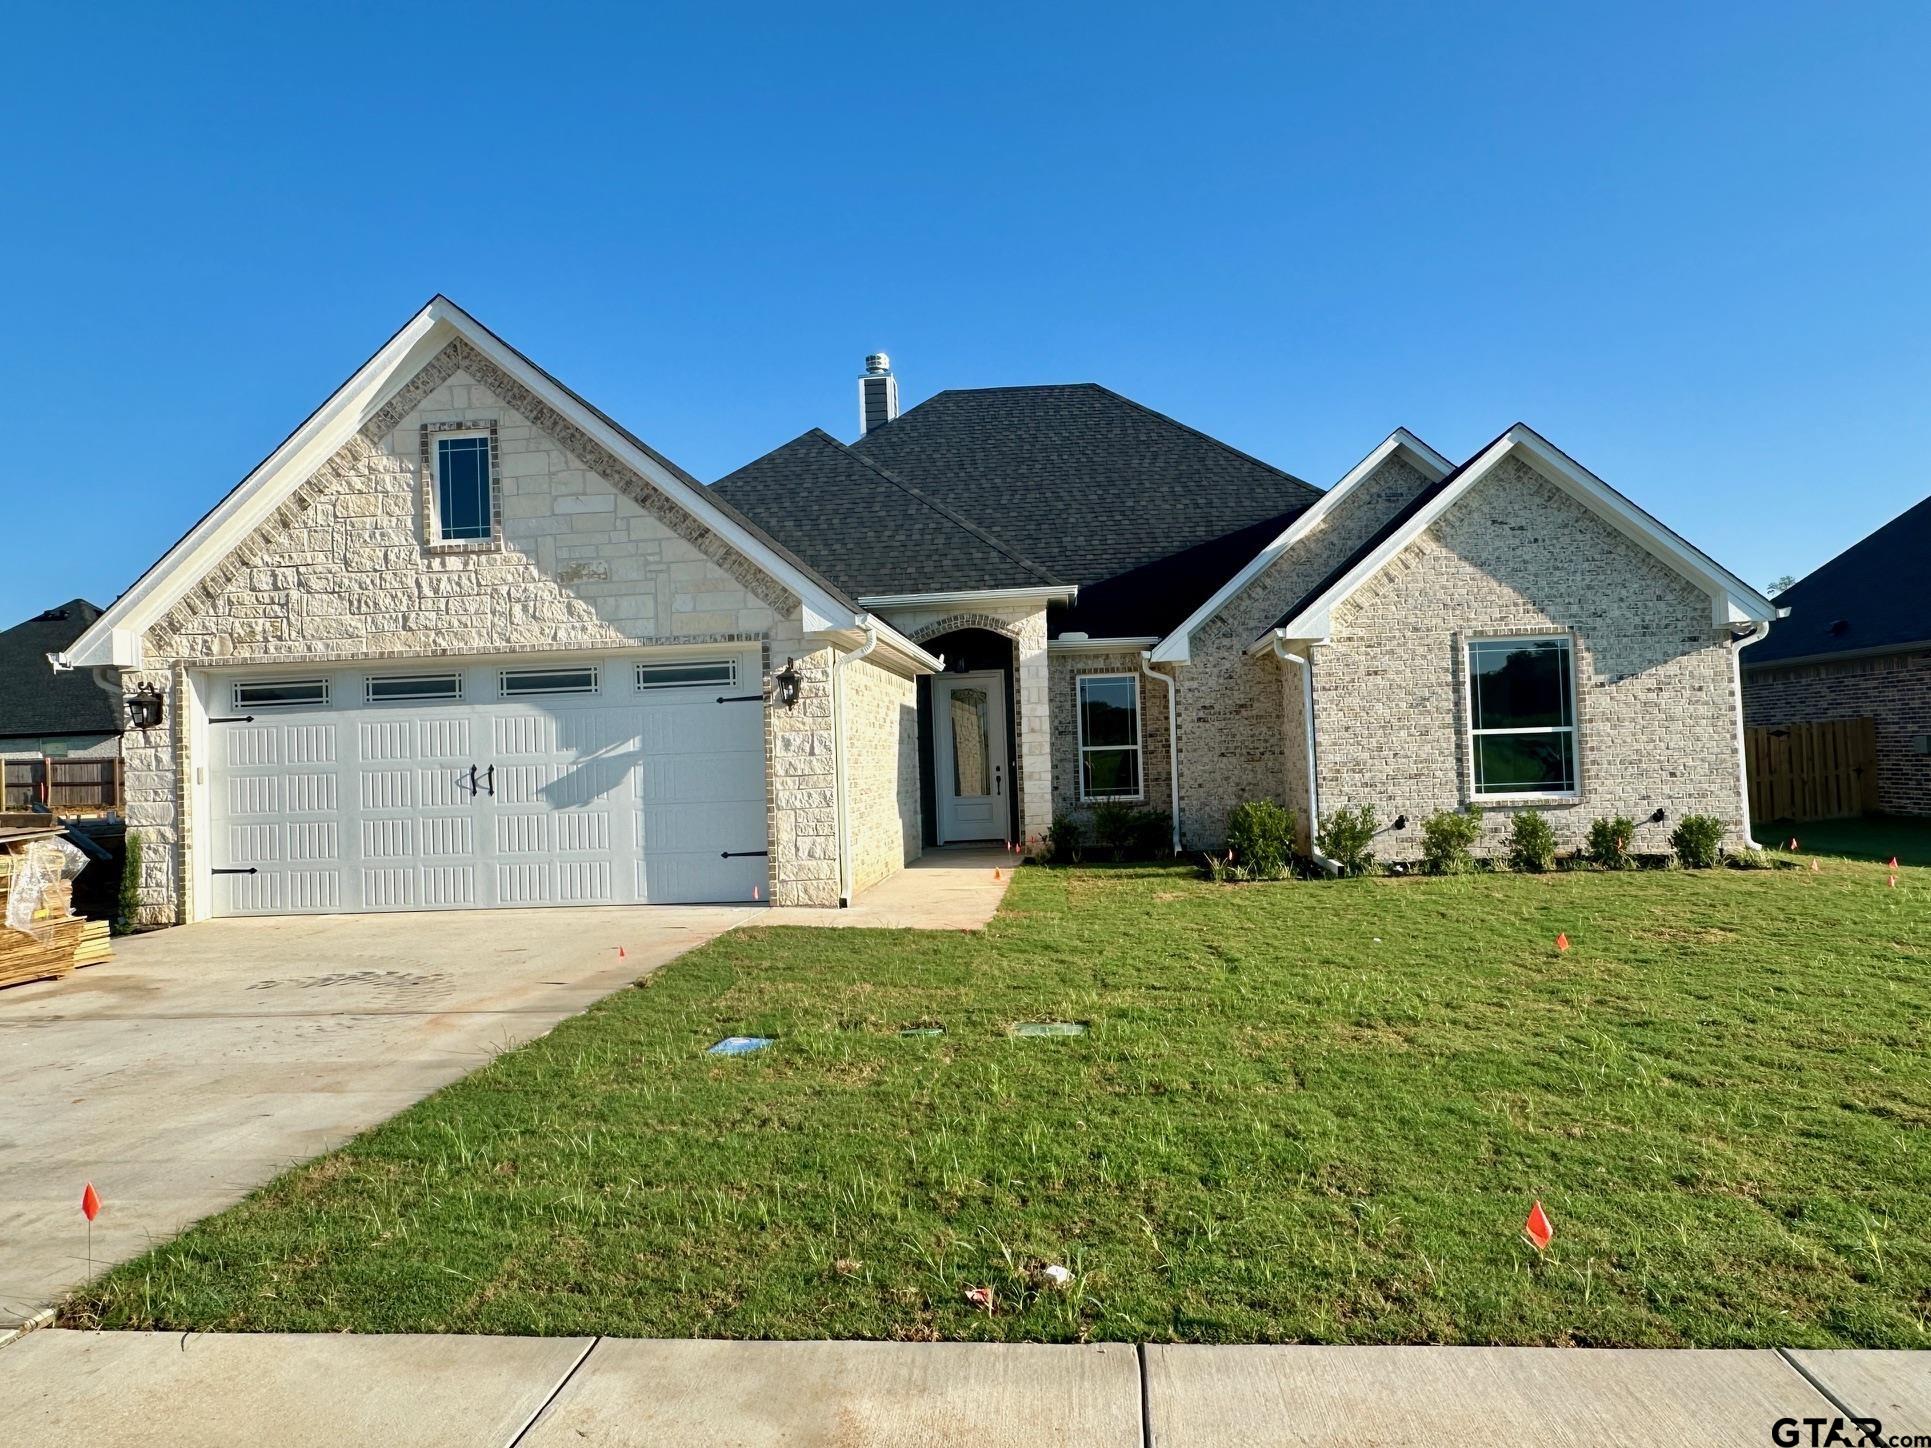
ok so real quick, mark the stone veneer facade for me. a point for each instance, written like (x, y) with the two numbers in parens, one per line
(1657, 713)
(1025, 625)
(881, 725)
(1894, 690)
(1232, 723)
(590, 556)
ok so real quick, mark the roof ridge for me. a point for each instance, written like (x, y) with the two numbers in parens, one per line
(1224, 446)
(950, 515)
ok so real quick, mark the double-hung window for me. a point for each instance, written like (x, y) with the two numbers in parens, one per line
(1522, 715)
(465, 502)
(1109, 736)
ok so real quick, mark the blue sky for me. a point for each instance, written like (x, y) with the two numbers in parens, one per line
(1688, 243)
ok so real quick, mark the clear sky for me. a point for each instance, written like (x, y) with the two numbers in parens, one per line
(1689, 243)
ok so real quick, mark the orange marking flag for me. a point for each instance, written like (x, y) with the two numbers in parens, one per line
(90, 1203)
(1537, 1228)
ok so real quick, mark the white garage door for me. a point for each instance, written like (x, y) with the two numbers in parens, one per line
(454, 786)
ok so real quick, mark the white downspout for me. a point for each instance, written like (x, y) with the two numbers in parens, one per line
(1173, 744)
(1333, 867)
(1756, 635)
(838, 763)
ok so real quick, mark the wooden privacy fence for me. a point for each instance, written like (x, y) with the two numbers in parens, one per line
(1812, 771)
(65, 786)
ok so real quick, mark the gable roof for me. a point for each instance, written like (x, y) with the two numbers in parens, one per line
(1732, 600)
(868, 530)
(34, 700)
(1177, 646)
(1088, 486)
(115, 638)
(1868, 599)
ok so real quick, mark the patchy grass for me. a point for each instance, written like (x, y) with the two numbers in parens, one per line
(1305, 1111)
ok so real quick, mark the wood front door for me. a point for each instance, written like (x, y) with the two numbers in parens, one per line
(969, 756)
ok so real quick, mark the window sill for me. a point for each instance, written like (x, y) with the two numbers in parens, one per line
(1112, 799)
(464, 545)
(1503, 801)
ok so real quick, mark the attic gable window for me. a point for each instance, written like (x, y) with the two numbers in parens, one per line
(1522, 716)
(462, 485)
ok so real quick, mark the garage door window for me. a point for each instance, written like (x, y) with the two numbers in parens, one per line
(687, 674)
(269, 694)
(547, 681)
(414, 687)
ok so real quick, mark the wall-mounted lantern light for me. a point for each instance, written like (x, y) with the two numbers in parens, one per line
(1660, 815)
(144, 707)
(1401, 822)
(788, 683)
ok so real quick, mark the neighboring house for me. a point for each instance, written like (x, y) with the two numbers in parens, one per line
(47, 716)
(1857, 645)
(463, 641)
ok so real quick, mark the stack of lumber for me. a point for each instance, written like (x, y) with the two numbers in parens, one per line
(69, 940)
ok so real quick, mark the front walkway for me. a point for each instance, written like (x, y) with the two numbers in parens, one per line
(111, 1389)
(957, 887)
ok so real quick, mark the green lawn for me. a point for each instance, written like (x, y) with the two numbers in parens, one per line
(1305, 1111)
(1874, 837)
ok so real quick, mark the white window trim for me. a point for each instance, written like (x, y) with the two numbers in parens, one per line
(235, 699)
(502, 675)
(434, 434)
(646, 685)
(1476, 794)
(371, 681)
(1138, 746)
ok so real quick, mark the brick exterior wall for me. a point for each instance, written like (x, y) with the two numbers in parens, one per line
(1025, 625)
(1064, 671)
(1231, 719)
(881, 724)
(591, 556)
(1892, 689)
(1656, 700)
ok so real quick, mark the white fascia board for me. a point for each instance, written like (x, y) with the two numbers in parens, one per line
(1177, 647)
(1726, 590)
(890, 641)
(1136, 645)
(821, 609)
(1063, 593)
(115, 637)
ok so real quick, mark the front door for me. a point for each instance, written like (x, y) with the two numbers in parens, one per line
(969, 751)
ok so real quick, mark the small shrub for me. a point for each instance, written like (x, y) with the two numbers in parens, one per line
(1064, 839)
(1608, 846)
(1532, 843)
(1152, 834)
(1698, 841)
(1112, 826)
(127, 903)
(1347, 838)
(1446, 838)
(1261, 835)
(1220, 868)
(1749, 860)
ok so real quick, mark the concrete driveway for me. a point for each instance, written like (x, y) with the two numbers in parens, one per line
(202, 1061)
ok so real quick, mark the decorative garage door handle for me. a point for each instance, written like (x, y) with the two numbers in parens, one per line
(740, 854)
(234, 719)
(217, 871)
(740, 698)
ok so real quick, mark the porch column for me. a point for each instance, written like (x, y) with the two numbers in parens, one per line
(1035, 731)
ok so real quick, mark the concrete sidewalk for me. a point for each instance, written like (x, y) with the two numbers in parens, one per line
(109, 1389)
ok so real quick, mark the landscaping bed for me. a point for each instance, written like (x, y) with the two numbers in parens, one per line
(1299, 1112)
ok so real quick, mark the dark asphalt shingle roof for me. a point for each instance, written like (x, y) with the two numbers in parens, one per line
(1871, 596)
(868, 530)
(1148, 516)
(34, 700)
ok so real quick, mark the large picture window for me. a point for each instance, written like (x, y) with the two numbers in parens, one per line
(1109, 736)
(1522, 716)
